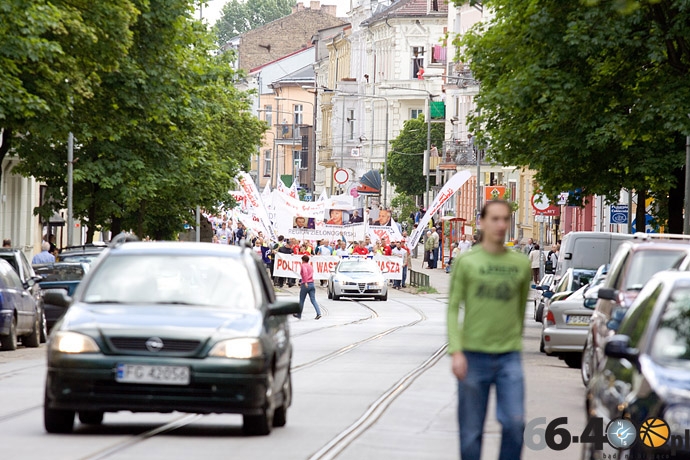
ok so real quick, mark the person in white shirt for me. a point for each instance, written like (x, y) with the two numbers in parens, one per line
(455, 252)
(398, 251)
(342, 249)
(463, 244)
(536, 257)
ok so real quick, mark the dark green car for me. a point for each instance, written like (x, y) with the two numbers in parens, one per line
(162, 327)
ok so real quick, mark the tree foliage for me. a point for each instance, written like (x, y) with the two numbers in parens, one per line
(406, 158)
(239, 16)
(588, 95)
(164, 131)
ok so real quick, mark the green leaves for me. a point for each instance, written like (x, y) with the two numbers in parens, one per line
(406, 158)
(239, 17)
(591, 97)
(163, 131)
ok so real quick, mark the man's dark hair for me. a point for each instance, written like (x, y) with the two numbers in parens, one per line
(305, 258)
(486, 206)
(281, 237)
(7, 243)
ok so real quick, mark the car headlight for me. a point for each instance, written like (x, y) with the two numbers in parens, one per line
(376, 283)
(73, 342)
(348, 283)
(678, 418)
(243, 348)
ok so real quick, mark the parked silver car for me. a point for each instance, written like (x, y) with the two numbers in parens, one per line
(566, 324)
(357, 277)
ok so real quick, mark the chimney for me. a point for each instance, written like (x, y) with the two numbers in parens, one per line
(314, 5)
(329, 10)
(300, 6)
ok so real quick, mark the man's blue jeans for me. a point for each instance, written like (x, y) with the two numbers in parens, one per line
(303, 291)
(404, 275)
(504, 371)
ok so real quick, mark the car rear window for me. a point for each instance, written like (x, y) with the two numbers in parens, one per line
(60, 273)
(171, 279)
(645, 264)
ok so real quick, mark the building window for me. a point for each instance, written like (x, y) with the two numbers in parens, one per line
(415, 113)
(268, 113)
(299, 117)
(418, 62)
(267, 163)
(438, 54)
(351, 124)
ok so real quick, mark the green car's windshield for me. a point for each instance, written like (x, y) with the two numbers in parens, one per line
(171, 279)
(671, 342)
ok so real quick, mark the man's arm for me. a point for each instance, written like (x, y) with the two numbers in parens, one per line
(456, 300)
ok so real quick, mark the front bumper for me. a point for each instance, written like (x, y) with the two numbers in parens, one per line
(217, 385)
(359, 290)
(561, 340)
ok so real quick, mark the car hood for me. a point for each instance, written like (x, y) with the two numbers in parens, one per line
(180, 321)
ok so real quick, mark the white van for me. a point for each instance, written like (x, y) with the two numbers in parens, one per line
(588, 250)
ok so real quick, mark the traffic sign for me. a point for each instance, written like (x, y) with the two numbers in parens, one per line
(341, 176)
(542, 205)
(619, 213)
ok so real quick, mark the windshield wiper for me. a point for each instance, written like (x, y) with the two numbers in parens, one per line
(172, 302)
(103, 301)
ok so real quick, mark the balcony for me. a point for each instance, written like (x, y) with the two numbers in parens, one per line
(460, 75)
(287, 133)
(459, 153)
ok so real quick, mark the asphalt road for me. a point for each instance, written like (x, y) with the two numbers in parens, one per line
(371, 381)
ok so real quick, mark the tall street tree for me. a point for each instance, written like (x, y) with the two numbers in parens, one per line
(406, 158)
(591, 96)
(163, 133)
(241, 16)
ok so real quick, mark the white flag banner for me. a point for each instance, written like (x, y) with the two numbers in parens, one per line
(266, 194)
(241, 199)
(288, 266)
(255, 204)
(323, 196)
(294, 193)
(281, 187)
(448, 190)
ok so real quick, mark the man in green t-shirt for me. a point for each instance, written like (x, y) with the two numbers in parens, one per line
(490, 285)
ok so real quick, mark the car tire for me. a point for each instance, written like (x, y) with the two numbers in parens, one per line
(280, 414)
(43, 326)
(573, 360)
(261, 424)
(541, 346)
(384, 297)
(91, 417)
(33, 339)
(57, 420)
(587, 365)
(9, 341)
(330, 294)
(335, 297)
(539, 315)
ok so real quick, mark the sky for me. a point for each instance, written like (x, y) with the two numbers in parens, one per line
(212, 10)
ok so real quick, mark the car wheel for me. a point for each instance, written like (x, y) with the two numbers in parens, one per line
(43, 326)
(280, 414)
(587, 364)
(33, 339)
(91, 417)
(539, 315)
(335, 297)
(330, 294)
(541, 346)
(57, 420)
(384, 297)
(9, 341)
(573, 360)
(261, 424)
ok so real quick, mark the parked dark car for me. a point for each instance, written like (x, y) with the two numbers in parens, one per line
(27, 276)
(161, 327)
(59, 275)
(646, 373)
(19, 314)
(636, 261)
(86, 253)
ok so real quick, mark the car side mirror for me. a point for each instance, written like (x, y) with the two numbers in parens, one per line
(539, 288)
(284, 306)
(57, 297)
(590, 302)
(608, 294)
(618, 346)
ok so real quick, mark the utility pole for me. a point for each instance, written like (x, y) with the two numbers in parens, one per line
(70, 187)
(686, 217)
(428, 150)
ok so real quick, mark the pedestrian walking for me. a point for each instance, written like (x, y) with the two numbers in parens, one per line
(307, 287)
(535, 260)
(490, 283)
(435, 241)
(428, 246)
(43, 257)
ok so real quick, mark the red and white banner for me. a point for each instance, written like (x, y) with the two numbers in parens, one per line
(288, 266)
(255, 206)
(448, 190)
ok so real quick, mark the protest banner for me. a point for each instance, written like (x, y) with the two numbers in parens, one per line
(288, 266)
(255, 206)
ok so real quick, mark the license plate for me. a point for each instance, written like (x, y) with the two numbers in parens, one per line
(577, 320)
(157, 375)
